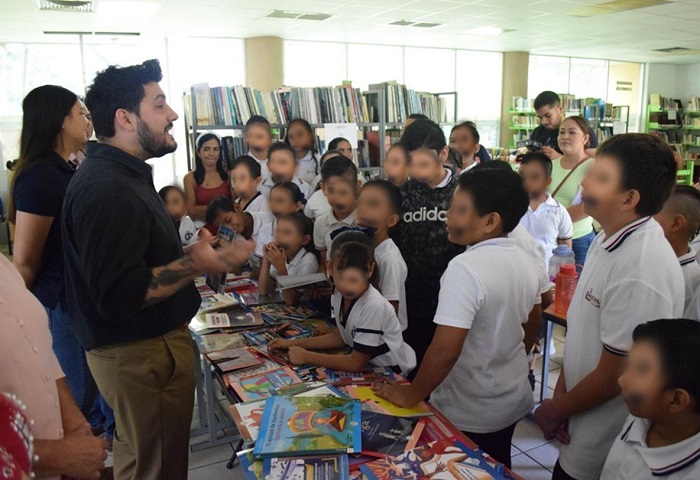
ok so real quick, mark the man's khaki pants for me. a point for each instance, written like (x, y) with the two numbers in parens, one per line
(150, 386)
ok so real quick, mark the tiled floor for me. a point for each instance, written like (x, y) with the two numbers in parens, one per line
(533, 457)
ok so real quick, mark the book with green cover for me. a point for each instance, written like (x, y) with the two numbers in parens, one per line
(312, 467)
(309, 425)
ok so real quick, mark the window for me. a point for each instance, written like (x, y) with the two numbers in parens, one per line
(429, 69)
(314, 64)
(369, 64)
(588, 78)
(547, 73)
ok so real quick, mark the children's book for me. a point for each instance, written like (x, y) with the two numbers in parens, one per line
(221, 341)
(217, 302)
(236, 318)
(373, 403)
(234, 359)
(252, 298)
(282, 310)
(384, 435)
(295, 281)
(259, 338)
(447, 459)
(260, 386)
(309, 389)
(292, 330)
(233, 378)
(312, 467)
(376, 374)
(437, 427)
(252, 468)
(309, 425)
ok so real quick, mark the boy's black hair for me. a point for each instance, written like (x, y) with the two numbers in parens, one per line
(685, 200)
(340, 166)
(281, 146)
(304, 225)
(647, 165)
(293, 189)
(330, 153)
(352, 250)
(216, 206)
(678, 342)
(333, 144)
(418, 116)
(257, 120)
(250, 163)
(471, 126)
(163, 192)
(454, 158)
(496, 190)
(391, 191)
(423, 134)
(497, 165)
(119, 87)
(538, 157)
(547, 99)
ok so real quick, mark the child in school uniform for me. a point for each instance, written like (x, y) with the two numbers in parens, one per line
(631, 276)
(465, 138)
(545, 219)
(420, 233)
(366, 321)
(216, 211)
(680, 219)
(302, 138)
(285, 199)
(396, 165)
(661, 387)
(378, 207)
(475, 369)
(246, 177)
(289, 254)
(283, 166)
(174, 198)
(258, 137)
(340, 187)
(318, 205)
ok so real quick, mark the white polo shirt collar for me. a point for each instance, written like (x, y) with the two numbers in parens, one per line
(349, 220)
(614, 241)
(548, 201)
(662, 461)
(445, 180)
(688, 258)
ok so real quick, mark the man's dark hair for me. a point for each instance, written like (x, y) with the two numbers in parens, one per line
(647, 165)
(118, 87)
(547, 99)
(678, 342)
(538, 157)
(391, 191)
(277, 146)
(496, 190)
(418, 116)
(339, 167)
(250, 163)
(216, 206)
(423, 134)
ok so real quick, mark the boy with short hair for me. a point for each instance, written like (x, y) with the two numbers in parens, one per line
(680, 219)
(282, 163)
(545, 219)
(378, 207)
(340, 186)
(420, 233)
(661, 387)
(245, 180)
(214, 215)
(475, 369)
(631, 276)
(258, 137)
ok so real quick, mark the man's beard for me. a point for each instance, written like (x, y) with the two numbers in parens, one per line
(156, 146)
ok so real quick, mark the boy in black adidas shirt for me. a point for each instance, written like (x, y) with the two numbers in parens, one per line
(421, 234)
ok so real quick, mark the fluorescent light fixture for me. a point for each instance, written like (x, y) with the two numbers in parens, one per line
(319, 17)
(485, 31)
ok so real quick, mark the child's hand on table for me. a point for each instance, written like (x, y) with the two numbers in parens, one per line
(279, 344)
(401, 395)
(322, 329)
(297, 355)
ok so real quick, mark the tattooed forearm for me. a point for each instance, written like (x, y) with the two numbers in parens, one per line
(168, 279)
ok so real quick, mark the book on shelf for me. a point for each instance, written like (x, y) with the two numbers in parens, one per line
(309, 467)
(309, 425)
(386, 435)
(261, 385)
(402, 101)
(373, 403)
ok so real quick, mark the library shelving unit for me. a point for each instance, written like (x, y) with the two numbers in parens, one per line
(379, 126)
(681, 129)
(522, 123)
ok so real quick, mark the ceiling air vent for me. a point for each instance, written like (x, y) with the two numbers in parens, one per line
(407, 23)
(82, 6)
(671, 50)
(319, 17)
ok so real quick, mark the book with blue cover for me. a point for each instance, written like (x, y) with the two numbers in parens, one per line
(312, 467)
(309, 425)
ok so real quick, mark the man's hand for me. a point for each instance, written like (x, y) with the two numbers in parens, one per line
(548, 419)
(297, 355)
(401, 395)
(550, 152)
(85, 455)
(206, 259)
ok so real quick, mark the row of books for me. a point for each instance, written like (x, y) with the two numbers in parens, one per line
(665, 103)
(525, 121)
(401, 101)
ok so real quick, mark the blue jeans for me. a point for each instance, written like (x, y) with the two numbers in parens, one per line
(580, 247)
(71, 357)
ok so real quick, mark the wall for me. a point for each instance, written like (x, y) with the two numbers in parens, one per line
(688, 81)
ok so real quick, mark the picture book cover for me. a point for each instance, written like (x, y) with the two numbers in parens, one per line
(447, 459)
(280, 309)
(235, 318)
(309, 425)
(252, 297)
(217, 302)
(376, 374)
(259, 386)
(235, 377)
(252, 468)
(221, 341)
(262, 337)
(384, 435)
(234, 359)
(373, 403)
(312, 467)
(248, 416)
(292, 330)
(309, 389)
(437, 427)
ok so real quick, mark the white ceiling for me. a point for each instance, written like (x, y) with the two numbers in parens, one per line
(538, 26)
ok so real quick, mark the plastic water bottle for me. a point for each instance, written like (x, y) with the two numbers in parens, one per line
(566, 282)
(562, 255)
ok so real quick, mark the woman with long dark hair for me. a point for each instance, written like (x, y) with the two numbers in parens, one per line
(54, 126)
(208, 180)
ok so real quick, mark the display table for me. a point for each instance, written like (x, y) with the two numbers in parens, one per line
(552, 318)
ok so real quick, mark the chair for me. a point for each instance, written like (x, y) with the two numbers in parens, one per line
(685, 176)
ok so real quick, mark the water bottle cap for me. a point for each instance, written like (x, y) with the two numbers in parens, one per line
(568, 269)
(562, 251)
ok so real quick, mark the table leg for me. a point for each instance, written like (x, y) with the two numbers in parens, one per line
(545, 360)
(234, 457)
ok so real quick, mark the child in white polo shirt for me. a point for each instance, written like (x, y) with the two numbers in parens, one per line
(661, 386)
(631, 276)
(366, 321)
(340, 186)
(245, 179)
(546, 219)
(476, 367)
(283, 166)
(680, 219)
